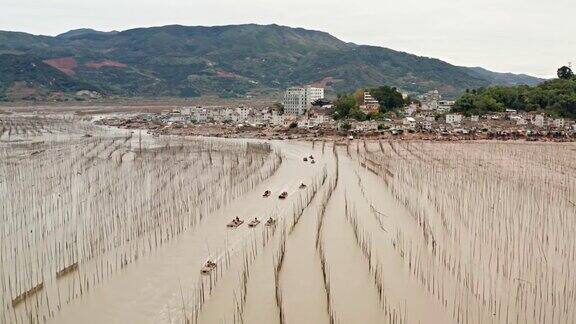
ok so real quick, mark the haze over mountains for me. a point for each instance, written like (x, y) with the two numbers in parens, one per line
(228, 61)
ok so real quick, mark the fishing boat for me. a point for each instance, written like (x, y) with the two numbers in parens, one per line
(254, 223)
(267, 193)
(235, 223)
(283, 195)
(302, 185)
(208, 267)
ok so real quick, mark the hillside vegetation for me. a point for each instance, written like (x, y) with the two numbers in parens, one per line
(230, 61)
(556, 97)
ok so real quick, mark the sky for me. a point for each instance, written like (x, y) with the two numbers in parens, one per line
(520, 36)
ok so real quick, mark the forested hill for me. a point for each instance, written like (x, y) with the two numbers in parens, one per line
(556, 97)
(229, 61)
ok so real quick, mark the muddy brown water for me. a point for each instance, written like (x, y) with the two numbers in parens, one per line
(411, 232)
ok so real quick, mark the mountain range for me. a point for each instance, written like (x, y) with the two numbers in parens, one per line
(227, 61)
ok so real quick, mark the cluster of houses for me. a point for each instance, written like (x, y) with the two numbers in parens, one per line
(435, 114)
(441, 117)
(306, 108)
(302, 107)
(242, 115)
(459, 124)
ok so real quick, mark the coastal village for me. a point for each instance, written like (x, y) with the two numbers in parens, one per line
(305, 112)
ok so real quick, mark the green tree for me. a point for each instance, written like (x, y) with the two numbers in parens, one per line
(357, 114)
(343, 105)
(565, 73)
(388, 97)
(345, 126)
(556, 97)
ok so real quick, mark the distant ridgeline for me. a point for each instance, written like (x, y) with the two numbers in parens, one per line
(227, 61)
(556, 97)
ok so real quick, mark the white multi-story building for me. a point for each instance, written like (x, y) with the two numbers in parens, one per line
(243, 113)
(298, 100)
(277, 118)
(559, 123)
(370, 105)
(200, 115)
(444, 106)
(427, 124)
(539, 121)
(453, 119)
(186, 111)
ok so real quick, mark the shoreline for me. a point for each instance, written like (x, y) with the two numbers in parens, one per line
(281, 133)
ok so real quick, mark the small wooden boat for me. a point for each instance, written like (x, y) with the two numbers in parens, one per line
(267, 193)
(311, 157)
(270, 222)
(305, 159)
(283, 195)
(302, 186)
(208, 267)
(254, 223)
(234, 223)
(313, 162)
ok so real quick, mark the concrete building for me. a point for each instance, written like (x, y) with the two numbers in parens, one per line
(186, 111)
(453, 119)
(511, 112)
(409, 123)
(178, 119)
(277, 118)
(243, 113)
(319, 116)
(200, 115)
(539, 121)
(427, 125)
(298, 100)
(365, 126)
(433, 95)
(411, 109)
(520, 121)
(445, 106)
(559, 123)
(369, 105)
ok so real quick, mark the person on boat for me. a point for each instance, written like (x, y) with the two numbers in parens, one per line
(237, 220)
(270, 220)
(255, 219)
